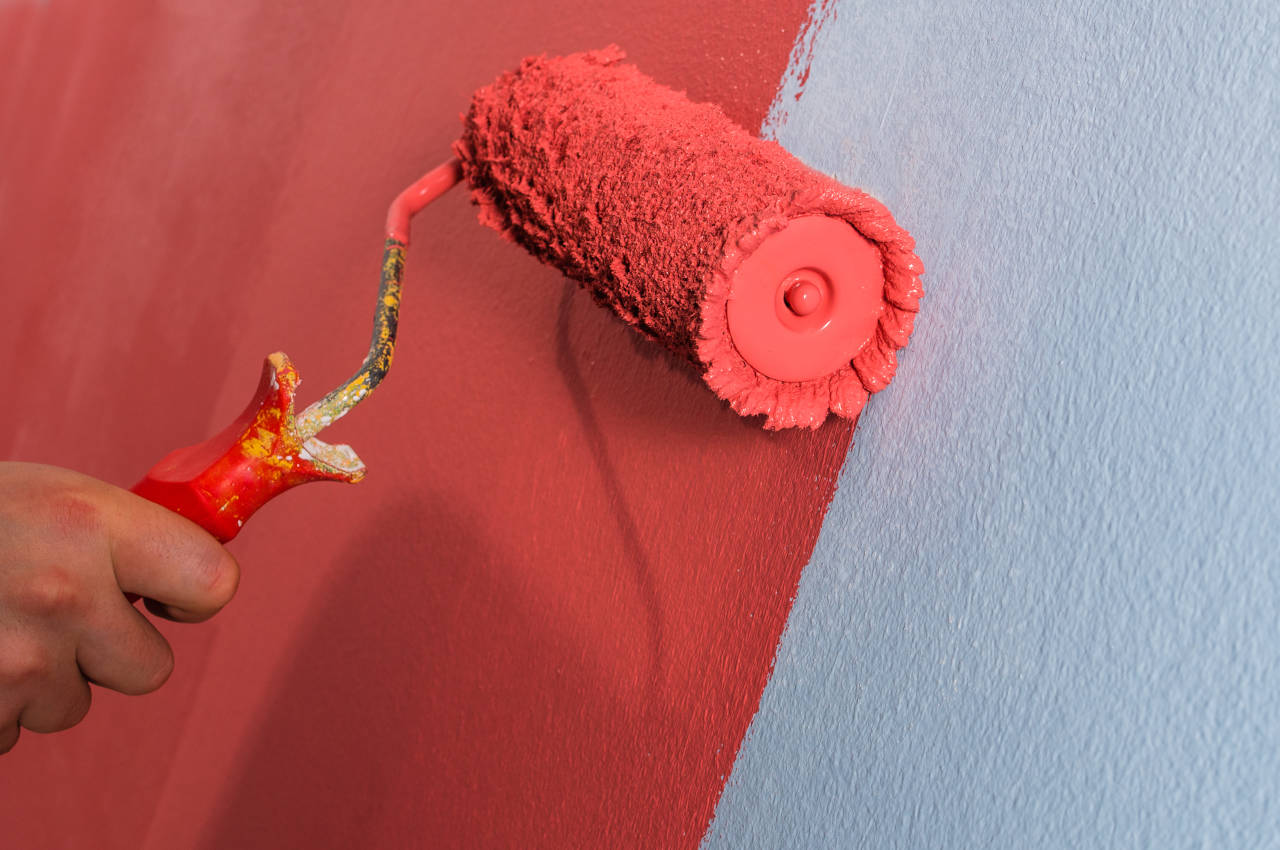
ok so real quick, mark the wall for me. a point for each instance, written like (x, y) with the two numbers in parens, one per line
(1044, 610)
(546, 617)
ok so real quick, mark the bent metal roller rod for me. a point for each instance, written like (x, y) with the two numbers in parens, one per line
(221, 482)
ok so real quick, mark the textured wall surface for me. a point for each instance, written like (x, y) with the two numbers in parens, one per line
(1045, 607)
(546, 617)
(1044, 610)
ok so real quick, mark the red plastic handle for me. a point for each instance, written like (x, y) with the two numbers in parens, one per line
(218, 484)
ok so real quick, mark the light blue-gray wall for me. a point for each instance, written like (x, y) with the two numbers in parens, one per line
(1044, 610)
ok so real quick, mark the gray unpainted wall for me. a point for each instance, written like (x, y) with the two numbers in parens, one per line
(1044, 610)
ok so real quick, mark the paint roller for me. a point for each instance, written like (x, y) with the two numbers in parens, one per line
(789, 292)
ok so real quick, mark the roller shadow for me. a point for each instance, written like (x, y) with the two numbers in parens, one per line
(433, 697)
(637, 557)
(428, 704)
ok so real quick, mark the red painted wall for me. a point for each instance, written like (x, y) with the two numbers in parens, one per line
(546, 617)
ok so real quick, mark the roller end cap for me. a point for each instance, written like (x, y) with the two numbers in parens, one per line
(807, 299)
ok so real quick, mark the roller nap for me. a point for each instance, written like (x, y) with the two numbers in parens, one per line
(790, 292)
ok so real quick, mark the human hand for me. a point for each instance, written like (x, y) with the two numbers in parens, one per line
(71, 547)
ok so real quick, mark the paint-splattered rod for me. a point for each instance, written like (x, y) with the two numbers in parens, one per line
(386, 318)
(220, 482)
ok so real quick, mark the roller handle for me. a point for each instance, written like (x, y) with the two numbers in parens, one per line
(219, 483)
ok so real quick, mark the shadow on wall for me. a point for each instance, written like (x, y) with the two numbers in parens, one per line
(637, 558)
(345, 758)
(441, 701)
(451, 698)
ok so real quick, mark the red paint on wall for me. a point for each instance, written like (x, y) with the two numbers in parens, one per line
(546, 617)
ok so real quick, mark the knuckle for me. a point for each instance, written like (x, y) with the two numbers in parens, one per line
(22, 664)
(71, 514)
(52, 592)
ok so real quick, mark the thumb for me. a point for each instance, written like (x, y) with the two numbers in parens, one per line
(184, 573)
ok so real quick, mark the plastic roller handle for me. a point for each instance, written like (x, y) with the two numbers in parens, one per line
(220, 483)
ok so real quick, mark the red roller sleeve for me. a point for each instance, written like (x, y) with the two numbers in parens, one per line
(789, 291)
